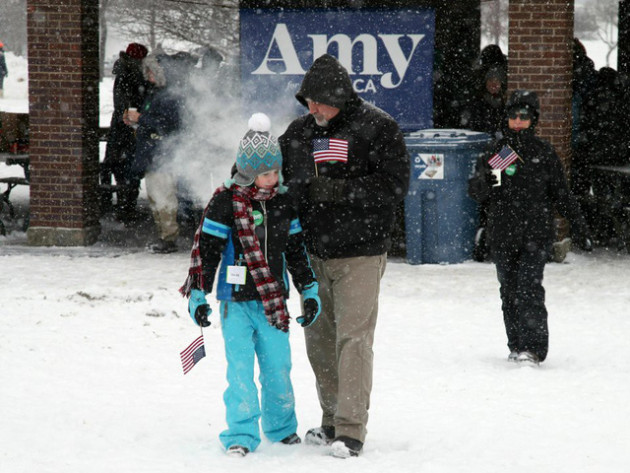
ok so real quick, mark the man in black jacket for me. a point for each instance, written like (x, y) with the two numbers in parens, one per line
(347, 166)
(521, 208)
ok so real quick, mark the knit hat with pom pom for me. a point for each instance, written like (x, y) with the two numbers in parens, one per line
(258, 151)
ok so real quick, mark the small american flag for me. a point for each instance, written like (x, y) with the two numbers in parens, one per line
(191, 355)
(503, 158)
(330, 149)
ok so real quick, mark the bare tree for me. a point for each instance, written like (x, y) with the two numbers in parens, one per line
(13, 26)
(604, 13)
(495, 24)
(584, 25)
(196, 22)
(103, 4)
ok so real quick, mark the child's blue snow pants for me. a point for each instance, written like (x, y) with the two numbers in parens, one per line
(246, 332)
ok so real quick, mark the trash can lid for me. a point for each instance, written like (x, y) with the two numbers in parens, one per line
(446, 137)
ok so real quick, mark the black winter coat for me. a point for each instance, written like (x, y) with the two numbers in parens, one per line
(129, 91)
(280, 237)
(521, 210)
(160, 118)
(376, 180)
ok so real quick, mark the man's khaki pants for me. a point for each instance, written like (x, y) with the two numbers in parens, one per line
(162, 195)
(339, 343)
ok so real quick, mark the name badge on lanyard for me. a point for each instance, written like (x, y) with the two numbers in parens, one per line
(236, 274)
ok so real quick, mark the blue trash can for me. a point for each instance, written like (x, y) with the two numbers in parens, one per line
(440, 218)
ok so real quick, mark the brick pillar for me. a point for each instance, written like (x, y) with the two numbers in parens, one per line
(540, 59)
(63, 108)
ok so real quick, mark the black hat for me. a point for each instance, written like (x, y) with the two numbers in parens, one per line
(525, 99)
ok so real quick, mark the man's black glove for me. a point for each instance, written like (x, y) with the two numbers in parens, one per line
(491, 178)
(325, 189)
(311, 312)
(312, 305)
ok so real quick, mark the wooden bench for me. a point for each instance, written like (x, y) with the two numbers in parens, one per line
(5, 197)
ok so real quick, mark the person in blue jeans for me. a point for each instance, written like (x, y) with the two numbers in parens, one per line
(250, 233)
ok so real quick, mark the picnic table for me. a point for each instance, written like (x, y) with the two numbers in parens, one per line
(615, 201)
(11, 159)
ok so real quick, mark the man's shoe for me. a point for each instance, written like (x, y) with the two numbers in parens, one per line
(292, 439)
(346, 447)
(513, 356)
(323, 435)
(237, 451)
(528, 357)
(163, 247)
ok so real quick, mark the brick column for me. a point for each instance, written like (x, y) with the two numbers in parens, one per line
(63, 119)
(541, 59)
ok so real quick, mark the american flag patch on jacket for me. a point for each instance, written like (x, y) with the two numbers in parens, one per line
(330, 149)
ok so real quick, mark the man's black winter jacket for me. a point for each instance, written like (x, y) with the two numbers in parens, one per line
(376, 179)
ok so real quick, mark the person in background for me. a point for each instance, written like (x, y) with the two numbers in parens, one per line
(487, 111)
(582, 83)
(4, 70)
(521, 209)
(487, 114)
(158, 120)
(211, 61)
(251, 230)
(604, 140)
(130, 89)
(347, 165)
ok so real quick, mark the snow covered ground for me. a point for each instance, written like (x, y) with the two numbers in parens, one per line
(90, 376)
(91, 380)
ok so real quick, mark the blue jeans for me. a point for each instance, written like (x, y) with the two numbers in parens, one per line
(246, 334)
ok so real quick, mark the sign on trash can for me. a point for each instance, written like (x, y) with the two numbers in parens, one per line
(440, 218)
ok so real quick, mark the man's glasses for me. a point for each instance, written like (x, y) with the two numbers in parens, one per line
(522, 114)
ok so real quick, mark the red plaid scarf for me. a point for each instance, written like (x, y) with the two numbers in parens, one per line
(268, 288)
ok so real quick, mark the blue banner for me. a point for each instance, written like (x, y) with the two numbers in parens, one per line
(388, 54)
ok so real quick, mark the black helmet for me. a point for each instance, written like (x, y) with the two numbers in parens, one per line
(526, 99)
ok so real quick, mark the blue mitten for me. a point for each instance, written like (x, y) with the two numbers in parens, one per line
(198, 308)
(312, 305)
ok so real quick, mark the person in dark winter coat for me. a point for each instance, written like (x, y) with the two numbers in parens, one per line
(158, 120)
(251, 234)
(347, 165)
(4, 70)
(520, 222)
(130, 88)
(487, 115)
(604, 125)
(487, 110)
(582, 83)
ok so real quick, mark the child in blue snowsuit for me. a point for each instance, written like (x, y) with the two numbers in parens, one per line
(250, 233)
